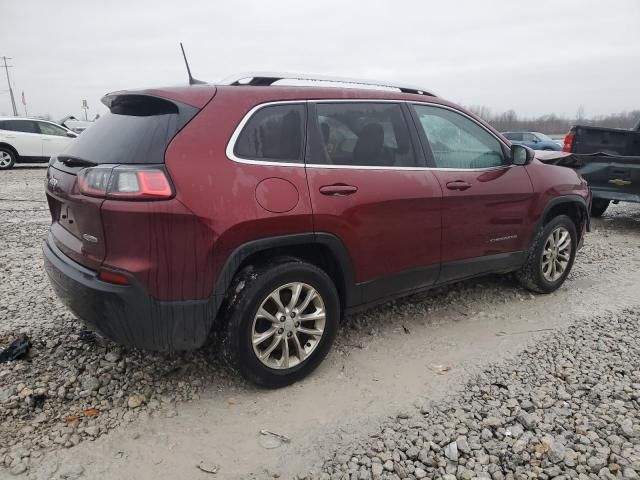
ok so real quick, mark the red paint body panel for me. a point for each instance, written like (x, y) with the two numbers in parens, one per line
(72, 215)
(489, 217)
(549, 182)
(163, 244)
(390, 224)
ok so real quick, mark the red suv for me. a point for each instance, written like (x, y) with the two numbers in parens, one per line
(273, 210)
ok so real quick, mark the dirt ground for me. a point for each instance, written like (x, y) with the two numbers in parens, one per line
(386, 360)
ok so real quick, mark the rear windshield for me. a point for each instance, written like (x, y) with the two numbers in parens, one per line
(137, 130)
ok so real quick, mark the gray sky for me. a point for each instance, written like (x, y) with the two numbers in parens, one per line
(535, 57)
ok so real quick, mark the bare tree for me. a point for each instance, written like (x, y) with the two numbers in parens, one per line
(552, 123)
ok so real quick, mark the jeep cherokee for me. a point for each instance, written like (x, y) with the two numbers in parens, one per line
(272, 210)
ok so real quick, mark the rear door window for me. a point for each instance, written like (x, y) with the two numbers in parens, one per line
(273, 133)
(362, 134)
(25, 126)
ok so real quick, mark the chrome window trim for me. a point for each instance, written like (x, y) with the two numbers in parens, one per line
(236, 133)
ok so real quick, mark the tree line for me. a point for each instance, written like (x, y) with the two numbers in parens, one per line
(551, 123)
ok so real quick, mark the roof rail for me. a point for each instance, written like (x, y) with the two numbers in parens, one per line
(269, 78)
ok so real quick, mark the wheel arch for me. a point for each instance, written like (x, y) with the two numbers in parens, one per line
(324, 250)
(12, 148)
(574, 206)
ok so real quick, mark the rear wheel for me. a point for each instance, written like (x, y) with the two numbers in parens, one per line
(551, 256)
(598, 207)
(281, 322)
(7, 158)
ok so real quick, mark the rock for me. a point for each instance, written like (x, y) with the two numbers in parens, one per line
(208, 467)
(113, 356)
(463, 445)
(451, 451)
(377, 470)
(136, 400)
(70, 472)
(528, 420)
(556, 452)
(388, 466)
(596, 463)
(419, 473)
(492, 422)
(18, 469)
(626, 429)
(90, 383)
(400, 470)
(515, 430)
(629, 473)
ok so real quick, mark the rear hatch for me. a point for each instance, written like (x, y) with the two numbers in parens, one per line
(132, 137)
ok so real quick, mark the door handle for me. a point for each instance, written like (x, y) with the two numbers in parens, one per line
(338, 189)
(458, 185)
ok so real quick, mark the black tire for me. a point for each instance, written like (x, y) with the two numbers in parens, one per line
(4, 152)
(530, 274)
(598, 207)
(251, 288)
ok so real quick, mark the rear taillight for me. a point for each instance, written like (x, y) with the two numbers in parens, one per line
(568, 142)
(125, 183)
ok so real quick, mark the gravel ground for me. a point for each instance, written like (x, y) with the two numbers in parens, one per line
(567, 407)
(75, 386)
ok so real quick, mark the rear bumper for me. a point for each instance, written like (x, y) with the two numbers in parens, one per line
(614, 195)
(128, 315)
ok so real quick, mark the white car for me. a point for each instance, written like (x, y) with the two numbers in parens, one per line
(28, 140)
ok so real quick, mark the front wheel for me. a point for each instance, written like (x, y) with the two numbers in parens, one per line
(551, 256)
(7, 158)
(598, 207)
(282, 321)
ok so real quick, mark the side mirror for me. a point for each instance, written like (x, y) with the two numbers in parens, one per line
(72, 135)
(521, 155)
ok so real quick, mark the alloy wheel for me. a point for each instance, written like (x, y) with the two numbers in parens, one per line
(288, 325)
(556, 254)
(5, 159)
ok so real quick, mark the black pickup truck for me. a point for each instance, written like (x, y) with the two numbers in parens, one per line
(609, 160)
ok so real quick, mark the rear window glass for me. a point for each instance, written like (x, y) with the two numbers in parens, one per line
(273, 133)
(137, 131)
(25, 126)
(363, 134)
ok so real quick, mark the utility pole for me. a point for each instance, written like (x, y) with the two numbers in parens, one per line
(13, 100)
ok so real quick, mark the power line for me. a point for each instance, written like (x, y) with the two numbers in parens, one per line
(13, 100)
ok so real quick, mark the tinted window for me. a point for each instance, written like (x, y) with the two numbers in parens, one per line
(458, 142)
(273, 133)
(26, 126)
(49, 129)
(529, 137)
(137, 130)
(362, 134)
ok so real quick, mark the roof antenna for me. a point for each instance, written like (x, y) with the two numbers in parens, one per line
(192, 81)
